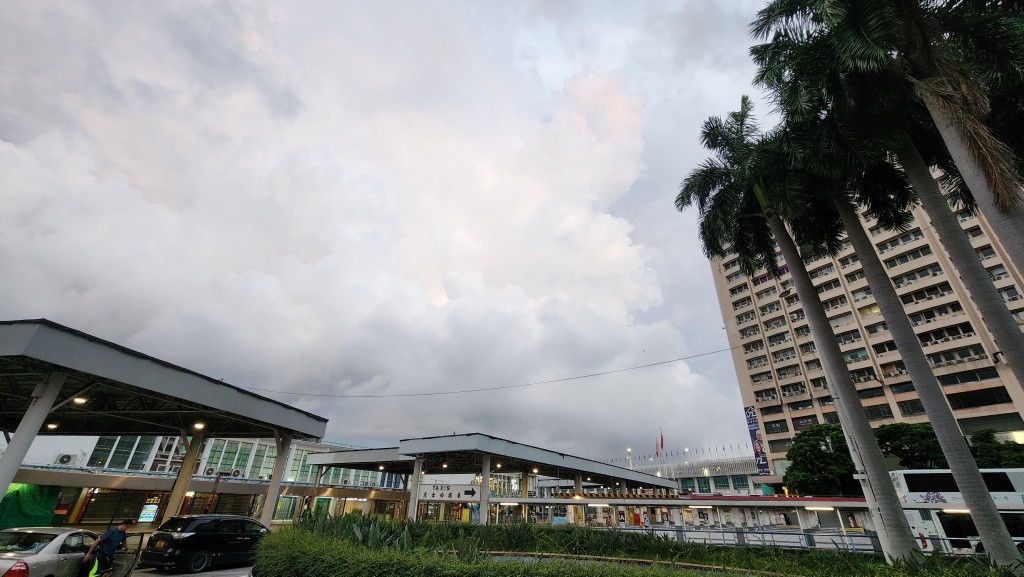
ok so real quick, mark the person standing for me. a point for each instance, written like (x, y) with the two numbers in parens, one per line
(106, 545)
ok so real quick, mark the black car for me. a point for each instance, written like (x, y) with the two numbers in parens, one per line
(195, 542)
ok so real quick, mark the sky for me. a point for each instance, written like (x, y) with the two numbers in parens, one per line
(352, 207)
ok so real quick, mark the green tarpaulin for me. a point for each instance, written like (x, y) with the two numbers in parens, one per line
(28, 505)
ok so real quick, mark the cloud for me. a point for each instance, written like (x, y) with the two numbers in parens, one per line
(380, 200)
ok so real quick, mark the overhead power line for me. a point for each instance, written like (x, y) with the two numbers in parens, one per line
(486, 389)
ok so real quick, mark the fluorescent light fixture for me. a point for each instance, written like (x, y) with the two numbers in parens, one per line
(444, 465)
(80, 400)
(199, 426)
(957, 511)
(51, 426)
(509, 504)
(700, 506)
(820, 508)
(597, 504)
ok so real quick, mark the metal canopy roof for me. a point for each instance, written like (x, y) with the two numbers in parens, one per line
(127, 392)
(462, 454)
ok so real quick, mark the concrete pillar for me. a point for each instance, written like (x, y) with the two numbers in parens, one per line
(414, 488)
(43, 397)
(579, 484)
(284, 447)
(185, 472)
(485, 490)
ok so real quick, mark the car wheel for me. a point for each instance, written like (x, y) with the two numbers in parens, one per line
(198, 562)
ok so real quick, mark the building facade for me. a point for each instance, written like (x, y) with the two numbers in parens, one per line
(779, 373)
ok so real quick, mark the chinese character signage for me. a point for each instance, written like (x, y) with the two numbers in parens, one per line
(451, 493)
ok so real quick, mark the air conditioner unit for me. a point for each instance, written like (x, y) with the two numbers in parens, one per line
(957, 337)
(945, 339)
(66, 459)
(210, 471)
(236, 473)
(960, 360)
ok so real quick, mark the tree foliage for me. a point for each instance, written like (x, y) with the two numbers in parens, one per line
(820, 463)
(914, 444)
(990, 453)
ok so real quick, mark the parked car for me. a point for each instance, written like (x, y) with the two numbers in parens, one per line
(43, 551)
(196, 542)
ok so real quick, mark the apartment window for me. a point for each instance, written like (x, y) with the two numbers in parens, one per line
(720, 481)
(982, 398)
(762, 279)
(869, 310)
(835, 303)
(792, 300)
(902, 387)
(742, 303)
(910, 407)
(929, 315)
(773, 410)
(803, 331)
(926, 294)
(779, 445)
(861, 294)
(734, 277)
(761, 295)
(745, 317)
(801, 405)
(947, 334)
(787, 372)
(808, 348)
(830, 417)
(914, 276)
(973, 232)
(841, 320)
(846, 261)
(826, 401)
(771, 308)
(783, 337)
(740, 482)
(774, 324)
(883, 348)
(862, 375)
(689, 485)
(761, 377)
(766, 395)
(813, 365)
(739, 289)
(819, 383)
(997, 272)
(822, 272)
(756, 362)
(784, 355)
(855, 276)
(876, 328)
(754, 346)
(780, 426)
(908, 257)
(962, 354)
(848, 337)
(1010, 294)
(750, 331)
(876, 412)
(855, 355)
(986, 252)
(734, 263)
(828, 285)
(907, 238)
(796, 316)
(871, 393)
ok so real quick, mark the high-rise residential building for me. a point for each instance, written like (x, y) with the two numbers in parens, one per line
(781, 378)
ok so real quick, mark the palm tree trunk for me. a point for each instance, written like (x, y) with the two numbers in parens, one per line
(1008, 224)
(997, 317)
(890, 521)
(998, 543)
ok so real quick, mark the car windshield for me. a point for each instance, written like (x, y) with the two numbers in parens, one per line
(176, 524)
(19, 542)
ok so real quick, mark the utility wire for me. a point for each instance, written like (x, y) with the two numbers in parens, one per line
(485, 389)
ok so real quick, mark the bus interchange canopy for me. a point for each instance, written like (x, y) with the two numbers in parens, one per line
(468, 453)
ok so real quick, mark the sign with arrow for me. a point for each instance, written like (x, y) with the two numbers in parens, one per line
(450, 493)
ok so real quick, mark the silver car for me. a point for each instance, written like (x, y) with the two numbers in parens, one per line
(43, 551)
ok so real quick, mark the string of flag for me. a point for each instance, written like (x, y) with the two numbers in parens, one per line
(661, 454)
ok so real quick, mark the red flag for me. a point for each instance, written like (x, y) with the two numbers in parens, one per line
(662, 440)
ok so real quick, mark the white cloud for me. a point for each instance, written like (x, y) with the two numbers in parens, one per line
(381, 199)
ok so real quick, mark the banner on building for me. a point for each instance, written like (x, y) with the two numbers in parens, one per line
(760, 455)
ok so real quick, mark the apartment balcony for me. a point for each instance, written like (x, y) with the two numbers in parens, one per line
(802, 394)
(754, 351)
(790, 378)
(895, 376)
(931, 301)
(766, 400)
(964, 364)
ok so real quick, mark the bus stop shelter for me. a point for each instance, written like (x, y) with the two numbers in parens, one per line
(60, 381)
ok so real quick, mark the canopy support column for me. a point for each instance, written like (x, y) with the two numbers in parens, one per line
(485, 489)
(414, 488)
(284, 446)
(43, 397)
(188, 467)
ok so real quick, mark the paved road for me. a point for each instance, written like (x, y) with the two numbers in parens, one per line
(228, 572)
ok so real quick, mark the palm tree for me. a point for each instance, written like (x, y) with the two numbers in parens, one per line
(738, 193)
(840, 56)
(871, 112)
(926, 42)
